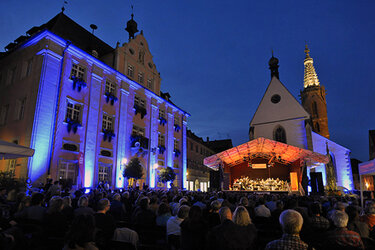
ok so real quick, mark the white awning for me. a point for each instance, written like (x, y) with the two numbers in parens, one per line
(12, 151)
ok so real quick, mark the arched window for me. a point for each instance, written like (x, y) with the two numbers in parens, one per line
(317, 127)
(279, 134)
(315, 109)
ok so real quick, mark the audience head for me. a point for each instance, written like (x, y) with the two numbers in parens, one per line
(195, 213)
(215, 205)
(340, 218)
(340, 206)
(183, 212)
(116, 197)
(316, 208)
(280, 205)
(83, 201)
(291, 221)
(67, 201)
(225, 214)
(352, 212)
(144, 202)
(55, 204)
(104, 205)
(163, 208)
(241, 216)
(244, 201)
(36, 199)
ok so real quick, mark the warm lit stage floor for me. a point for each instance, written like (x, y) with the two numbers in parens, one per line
(255, 192)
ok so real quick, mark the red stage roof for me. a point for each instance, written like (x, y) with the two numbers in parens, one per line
(264, 148)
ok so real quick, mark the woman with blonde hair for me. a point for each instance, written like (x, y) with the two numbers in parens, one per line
(241, 216)
(245, 229)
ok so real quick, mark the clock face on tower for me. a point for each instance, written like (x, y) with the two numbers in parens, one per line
(275, 98)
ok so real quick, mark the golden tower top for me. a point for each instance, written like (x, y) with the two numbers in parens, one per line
(310, 76)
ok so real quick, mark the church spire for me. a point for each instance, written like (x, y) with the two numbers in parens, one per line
(310, 76)
(274, 66)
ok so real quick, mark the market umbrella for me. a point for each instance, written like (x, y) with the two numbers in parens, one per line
(12, 151)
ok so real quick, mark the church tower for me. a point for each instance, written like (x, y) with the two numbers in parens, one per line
(313, 98)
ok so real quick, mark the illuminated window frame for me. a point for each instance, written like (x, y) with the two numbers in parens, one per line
(73, 110)
(137, 130)
(110, 87)
(161, 140)
(77, 71)
(140, 77)
(68, 170)
(104, 172)
(108, 122)
(130, 70)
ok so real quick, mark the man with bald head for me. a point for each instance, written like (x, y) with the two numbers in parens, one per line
(291, 223)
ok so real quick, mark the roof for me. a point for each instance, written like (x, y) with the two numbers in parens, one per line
(66, 28)
(263, 148)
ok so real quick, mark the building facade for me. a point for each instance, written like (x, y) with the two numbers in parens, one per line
(198, 175)
(87, 108)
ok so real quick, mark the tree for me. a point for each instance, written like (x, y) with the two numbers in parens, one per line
(166, 174)
(133, 169)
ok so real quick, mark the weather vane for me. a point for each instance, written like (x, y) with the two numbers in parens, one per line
(63, 7)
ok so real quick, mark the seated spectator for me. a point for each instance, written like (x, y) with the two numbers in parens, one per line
(55, 222)
(83, 207)
(369, 216)
(194, 230)
(164, 213)
(261, 210)
(354, 224)
(104, 222)
(213, 215)
(291, 223)
(271, 203)
(275, 214)
(340, 237)
(173, 224)
(34, 213)
(81, 234)
(246, 231)
(317, 222)
(68, 210)
(117, 209)
(144, 217)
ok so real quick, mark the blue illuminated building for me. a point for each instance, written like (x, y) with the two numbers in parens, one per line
(87, 108)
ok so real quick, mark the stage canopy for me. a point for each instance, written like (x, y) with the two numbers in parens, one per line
(12, 151)
(264, 148)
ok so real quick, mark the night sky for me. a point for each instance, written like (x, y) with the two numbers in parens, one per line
(213, 55)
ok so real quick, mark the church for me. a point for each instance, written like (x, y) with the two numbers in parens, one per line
(286, 134)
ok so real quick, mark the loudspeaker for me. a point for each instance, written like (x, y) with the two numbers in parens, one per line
(316, 181)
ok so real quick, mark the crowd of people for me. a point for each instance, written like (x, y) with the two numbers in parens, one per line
(172, 219)
(269, 184)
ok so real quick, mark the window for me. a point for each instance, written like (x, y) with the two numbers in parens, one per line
(140, 77)
(161, 113)
(279, 134)
(176, 144)
(107, 122)
(29, 67)
(150, 84)
(138, 130)
(139, 101)
(110, 87)
(4, 114)
(317, 127)
(315, 109)
(12, 166)
(11, 76)
(161, 140)
(77, 71)
(104, 173)
(177, 120)
(20, 108)
(130, 71)
(73, 111)
(68, 170)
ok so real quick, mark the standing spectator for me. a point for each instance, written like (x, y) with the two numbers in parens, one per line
(193, 230)
(104, 222)
(117, 208)
(340, 237)
(291, 223)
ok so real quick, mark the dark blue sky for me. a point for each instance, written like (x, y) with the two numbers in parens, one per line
(213, 55)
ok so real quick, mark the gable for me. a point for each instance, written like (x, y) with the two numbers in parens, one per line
(278, 104)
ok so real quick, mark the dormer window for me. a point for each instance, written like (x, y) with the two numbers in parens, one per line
(140, 77)
(150, 84)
